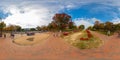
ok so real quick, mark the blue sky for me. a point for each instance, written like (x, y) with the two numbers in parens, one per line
(3, 15)
(32, 13)
(93, 10)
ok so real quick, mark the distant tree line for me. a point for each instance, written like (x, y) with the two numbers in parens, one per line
(105, 27)
(10, 28)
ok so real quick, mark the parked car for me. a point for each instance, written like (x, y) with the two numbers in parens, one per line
(30, 33)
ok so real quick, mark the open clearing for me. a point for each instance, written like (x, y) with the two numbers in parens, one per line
(30, 40)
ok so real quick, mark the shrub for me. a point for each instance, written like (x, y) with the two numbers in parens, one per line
(89, 35)
(84, 39)
(87, 31)
(65, 33)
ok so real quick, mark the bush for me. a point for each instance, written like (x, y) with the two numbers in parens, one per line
(65, 33)
(89, 35)
(84, 39)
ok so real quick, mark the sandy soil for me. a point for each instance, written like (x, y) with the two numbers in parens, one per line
(74, 36)
(24, 39)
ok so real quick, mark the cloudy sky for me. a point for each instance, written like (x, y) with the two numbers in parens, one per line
(32, 13)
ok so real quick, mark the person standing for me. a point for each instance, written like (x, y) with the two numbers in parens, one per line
(60, 33)
(12, 35)
(4, 35)
(108, 33)
(119, 34)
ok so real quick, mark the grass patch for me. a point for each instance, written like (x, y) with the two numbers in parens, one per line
(93, 42)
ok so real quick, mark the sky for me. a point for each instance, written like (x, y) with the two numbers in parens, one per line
(33, 13)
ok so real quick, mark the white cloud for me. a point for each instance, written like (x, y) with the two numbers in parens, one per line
(30, 17)
(86, 22)
(83, 22)
(116, 20)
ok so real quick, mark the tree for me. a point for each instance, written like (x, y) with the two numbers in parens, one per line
(101, 26)
(2, 25)
(81, 27)
(117, 27)
(38, 28)
(61, 21)
(109, 26)
(71, 25)
(96, 25)
(18, 28)
(13, 28)
(32, 29)
(90, 28)
(44, 28)
(50, 27)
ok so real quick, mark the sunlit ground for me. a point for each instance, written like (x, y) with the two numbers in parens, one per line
(30, 40)
(74, 39)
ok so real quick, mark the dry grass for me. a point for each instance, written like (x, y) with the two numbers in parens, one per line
(74, 39)
(37, 38)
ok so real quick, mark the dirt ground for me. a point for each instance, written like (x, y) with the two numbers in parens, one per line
(30, 40)
(55, 48)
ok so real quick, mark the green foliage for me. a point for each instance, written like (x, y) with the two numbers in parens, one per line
(62, 21)
(23, 30)
(81, 27)
(117, 27)
(81, 45)
(2, 25)
(13, 28)
(72, 26)
(44, 28)
(32, 29)
(105, 27)
(90, 28)
(18, 28)
(109, 26)
(38, 28)
(96, 25)
(91, 43)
